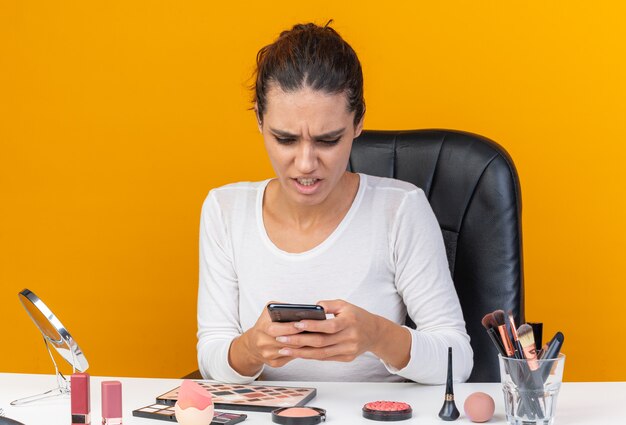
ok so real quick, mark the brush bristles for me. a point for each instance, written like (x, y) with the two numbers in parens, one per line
(488, 321)
(525, 335)
(499, 317)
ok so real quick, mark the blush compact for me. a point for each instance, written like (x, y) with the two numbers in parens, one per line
(387, 411)
(298, 415)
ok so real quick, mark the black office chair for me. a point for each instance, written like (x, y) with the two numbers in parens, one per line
(473, 188)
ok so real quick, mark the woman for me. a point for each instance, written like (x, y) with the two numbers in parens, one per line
(367, 249)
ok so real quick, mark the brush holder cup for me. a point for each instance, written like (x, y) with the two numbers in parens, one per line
(530, 395)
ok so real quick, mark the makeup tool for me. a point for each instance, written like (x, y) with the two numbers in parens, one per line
(166, 413)
(448, 411)
(111, 402)
(387, 411)
(498, 316)
(479, 407)
(80, 403)
(489, 323)
(528, 374)
(260, 398)
(516, 343)
(551, 352)
(524, 371)
(55, 336)
(537, 332)
(298, 415)
(553, 347)
(527, 341)
(194, 405)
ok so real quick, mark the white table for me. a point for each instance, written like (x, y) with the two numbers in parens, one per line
(579, 403)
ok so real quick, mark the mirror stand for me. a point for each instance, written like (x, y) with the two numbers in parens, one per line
(56, 336)
(62, 388)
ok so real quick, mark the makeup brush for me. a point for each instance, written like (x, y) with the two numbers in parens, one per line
(533, 381)
(538, 332)
(550, 353)
(527, 341)
(490, 324)
(499, 317)
(448, 411)
(516, 343)
(553, 347)
(528, 382)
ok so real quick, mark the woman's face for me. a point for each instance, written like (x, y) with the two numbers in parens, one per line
(308, 136)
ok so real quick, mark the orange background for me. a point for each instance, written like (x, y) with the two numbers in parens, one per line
(117, 117)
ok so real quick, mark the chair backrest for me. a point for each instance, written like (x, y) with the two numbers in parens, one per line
(473, 188)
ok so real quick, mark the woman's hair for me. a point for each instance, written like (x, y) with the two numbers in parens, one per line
(310, 56)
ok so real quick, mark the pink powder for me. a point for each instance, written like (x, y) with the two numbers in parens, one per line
(298, 412)
(387, 406)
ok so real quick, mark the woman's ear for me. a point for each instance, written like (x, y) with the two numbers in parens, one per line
(259, 121)
(359, 127)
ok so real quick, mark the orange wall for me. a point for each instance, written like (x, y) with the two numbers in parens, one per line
(117, 117)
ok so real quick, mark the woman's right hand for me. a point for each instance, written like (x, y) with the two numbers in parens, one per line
(258, 346)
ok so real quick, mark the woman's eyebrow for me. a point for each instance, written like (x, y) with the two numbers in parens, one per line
(282, 133)
(324, 136)
(330, 134)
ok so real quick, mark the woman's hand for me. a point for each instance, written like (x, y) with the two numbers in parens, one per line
(352, 332)
(258, 346)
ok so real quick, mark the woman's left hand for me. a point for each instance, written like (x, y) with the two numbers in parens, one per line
(352, 332)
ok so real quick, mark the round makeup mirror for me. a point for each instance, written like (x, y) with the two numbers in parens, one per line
(55, 335)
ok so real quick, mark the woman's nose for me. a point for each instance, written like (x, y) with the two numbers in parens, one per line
(306, 158)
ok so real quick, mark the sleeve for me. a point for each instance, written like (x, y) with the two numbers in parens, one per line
(218, 298)
(423, 280)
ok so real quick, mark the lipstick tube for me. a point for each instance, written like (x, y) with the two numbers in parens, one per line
(111, 403)
(80, 402)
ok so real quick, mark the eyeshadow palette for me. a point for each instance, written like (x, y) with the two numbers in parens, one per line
(164, 412)
(259, 398)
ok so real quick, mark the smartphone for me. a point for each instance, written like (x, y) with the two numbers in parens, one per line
(295, 312)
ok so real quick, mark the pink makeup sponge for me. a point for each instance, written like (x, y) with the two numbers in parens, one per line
(192, 394)
(479, 407)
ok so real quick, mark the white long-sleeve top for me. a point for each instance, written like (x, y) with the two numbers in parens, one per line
(386, 256)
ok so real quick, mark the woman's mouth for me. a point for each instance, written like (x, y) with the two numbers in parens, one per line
(306, 182)
(307, 185)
